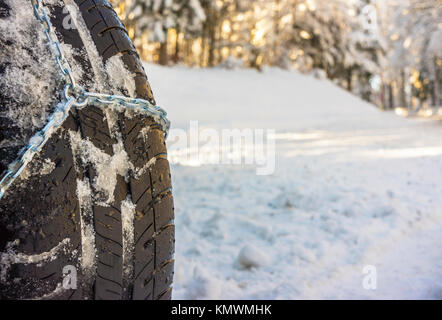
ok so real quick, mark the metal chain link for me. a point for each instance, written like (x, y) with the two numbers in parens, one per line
(73, 96)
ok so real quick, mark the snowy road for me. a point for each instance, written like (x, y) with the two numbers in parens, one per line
(352, 187)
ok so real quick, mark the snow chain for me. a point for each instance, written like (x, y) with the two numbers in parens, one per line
(73, 96)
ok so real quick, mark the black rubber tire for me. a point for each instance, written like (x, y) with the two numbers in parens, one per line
(39, 212)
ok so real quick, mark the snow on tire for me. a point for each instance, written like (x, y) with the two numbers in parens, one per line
(98, 196)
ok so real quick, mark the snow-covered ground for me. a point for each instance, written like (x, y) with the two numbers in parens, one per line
(352, 187)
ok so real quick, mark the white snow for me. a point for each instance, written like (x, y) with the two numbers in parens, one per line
(127, 220)
(108, 167)
(76, 69)
(88, 250)
(30, 76)
(42, 168)
(57, 291)
(252, 257)
(10, 256)
(92, 53)
(119, 76)
(48, 167)
(204, 285)
(352, 187)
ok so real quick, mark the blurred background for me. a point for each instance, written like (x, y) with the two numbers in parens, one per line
(387, 52)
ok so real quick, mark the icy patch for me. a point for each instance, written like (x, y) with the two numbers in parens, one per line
(31, 76)
(88, 251)
(54, 2)
(76, 69)
(91, 49)
(10, 257)
(44, 168)
(140, 171)
(107, 166)
(48, 167)
(252, 257)
(58, 290)
(119, 76)
(127, 220)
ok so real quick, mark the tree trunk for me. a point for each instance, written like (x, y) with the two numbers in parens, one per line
(438, 84)
(163, 56)
(212, 42)
(202, 60)
(384, 96)
(402, 95)
(390, 96)
(176, 56)
(211, 24)
(349, 80)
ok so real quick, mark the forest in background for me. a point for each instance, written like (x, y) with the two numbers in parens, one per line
(388, 52)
